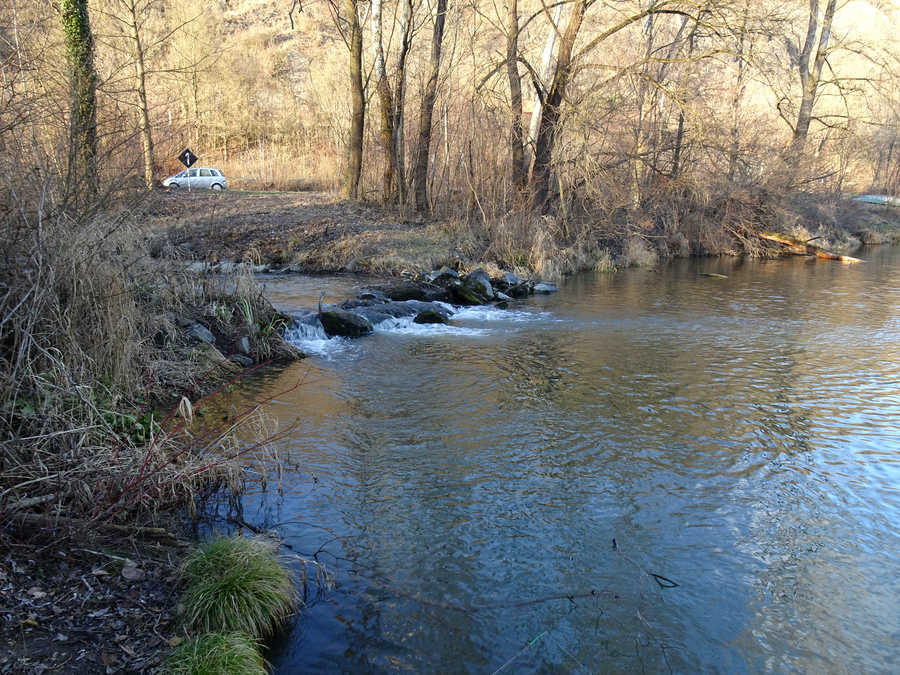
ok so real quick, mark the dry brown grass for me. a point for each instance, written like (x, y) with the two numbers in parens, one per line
(90, 351)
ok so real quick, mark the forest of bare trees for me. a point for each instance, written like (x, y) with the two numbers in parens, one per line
(603, 111)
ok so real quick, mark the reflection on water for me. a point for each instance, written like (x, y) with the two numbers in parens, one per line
(738, 436)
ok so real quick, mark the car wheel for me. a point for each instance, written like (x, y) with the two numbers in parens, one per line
(216, 186)
(173, 186)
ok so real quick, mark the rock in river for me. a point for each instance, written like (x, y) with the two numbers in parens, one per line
(344, 323)
(466, 295)
(545, 287)
(430, 316)
(480, 282)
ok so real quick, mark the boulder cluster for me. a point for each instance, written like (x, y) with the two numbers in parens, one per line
(430, 299)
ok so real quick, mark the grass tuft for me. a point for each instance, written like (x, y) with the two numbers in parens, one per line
(217, 654)
(237, 584)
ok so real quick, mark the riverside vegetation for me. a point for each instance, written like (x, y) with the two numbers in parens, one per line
(237, 593)
(110, 345)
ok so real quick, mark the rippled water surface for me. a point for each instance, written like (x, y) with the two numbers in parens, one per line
(738, 437)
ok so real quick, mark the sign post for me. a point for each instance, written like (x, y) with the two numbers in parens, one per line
(188, 158)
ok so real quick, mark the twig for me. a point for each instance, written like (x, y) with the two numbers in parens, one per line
(525, 648)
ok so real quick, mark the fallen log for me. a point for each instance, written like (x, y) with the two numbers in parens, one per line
(798, 247)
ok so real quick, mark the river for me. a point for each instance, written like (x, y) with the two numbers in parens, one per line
(499, 493)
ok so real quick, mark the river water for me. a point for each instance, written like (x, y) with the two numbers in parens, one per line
(498, 494)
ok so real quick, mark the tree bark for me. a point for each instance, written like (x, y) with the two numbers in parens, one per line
(552, 99)
(516, 145)
(353, 170)
(82, 163)
(426, 111)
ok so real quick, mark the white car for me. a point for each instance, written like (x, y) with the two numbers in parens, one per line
(197, 178)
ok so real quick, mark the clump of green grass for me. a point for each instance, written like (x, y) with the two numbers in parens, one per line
(217, 654)
(237, 584)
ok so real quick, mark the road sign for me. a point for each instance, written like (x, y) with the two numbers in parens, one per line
(187, 157)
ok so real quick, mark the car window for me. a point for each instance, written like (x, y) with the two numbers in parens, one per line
(215, 172)
(192, 173)
(181, 175)
(205, 172)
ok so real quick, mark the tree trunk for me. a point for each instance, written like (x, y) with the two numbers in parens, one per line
(737, 97)
(385, 98)
(398, 118)
(420, 171)
(143, 108)
(82, 163)
(516, 147)
(810, 76)
(547, 70)
(353, 170)
(550, 111)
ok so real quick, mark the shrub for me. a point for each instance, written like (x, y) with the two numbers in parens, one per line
(237, 584)
(217, 654)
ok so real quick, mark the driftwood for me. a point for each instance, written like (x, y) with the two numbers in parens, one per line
(797, 247)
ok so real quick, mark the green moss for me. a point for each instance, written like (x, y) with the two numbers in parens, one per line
(217, 654)
(237, 584)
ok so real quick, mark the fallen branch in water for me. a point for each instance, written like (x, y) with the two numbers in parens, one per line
(797, 247)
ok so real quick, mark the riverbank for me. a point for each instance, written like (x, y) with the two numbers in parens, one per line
(109, 362)
(314, 232)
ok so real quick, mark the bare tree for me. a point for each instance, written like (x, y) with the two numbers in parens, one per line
(810, 61)
(385, 98)
(426, 110)
(516, 139)
(350, 186)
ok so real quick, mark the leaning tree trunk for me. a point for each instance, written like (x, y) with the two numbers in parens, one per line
(547, 70)
(82, 162)
(350, 187)
(420, 170)
(551, 103)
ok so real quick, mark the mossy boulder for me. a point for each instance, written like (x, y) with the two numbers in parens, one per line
(466, 295)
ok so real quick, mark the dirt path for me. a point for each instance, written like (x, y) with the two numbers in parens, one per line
(308, 231)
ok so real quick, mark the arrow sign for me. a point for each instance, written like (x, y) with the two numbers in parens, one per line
(187, 157)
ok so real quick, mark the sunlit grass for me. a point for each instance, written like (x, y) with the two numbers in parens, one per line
(237, 584)
(217, 654)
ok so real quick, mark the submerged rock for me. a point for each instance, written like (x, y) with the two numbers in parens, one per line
(430, 316)
(344, 323)
(408, 290)
(545, 287)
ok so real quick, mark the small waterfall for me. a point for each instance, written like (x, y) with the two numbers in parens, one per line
(308, 335)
